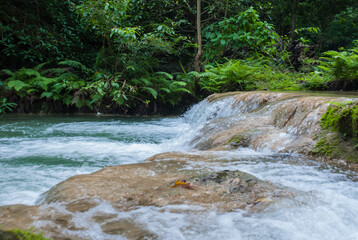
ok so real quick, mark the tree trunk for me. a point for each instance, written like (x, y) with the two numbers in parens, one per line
(197, 62)
(294, 16)
(199, 54)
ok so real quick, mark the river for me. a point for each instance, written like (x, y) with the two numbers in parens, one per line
(37, 152)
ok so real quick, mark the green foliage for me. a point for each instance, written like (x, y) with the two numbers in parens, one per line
(102, 15)
(243, 31)
(162, 86)
(343, 29)
(101, 90)
(233, 75)
(46, 84)
(120, 54)
(341, 65)
(42, 30)
(6, 106)
(246, 75)
(315, 81)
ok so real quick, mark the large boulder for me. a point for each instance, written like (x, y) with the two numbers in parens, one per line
(129, 187)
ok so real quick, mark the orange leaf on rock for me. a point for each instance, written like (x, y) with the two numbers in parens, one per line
(182, 183)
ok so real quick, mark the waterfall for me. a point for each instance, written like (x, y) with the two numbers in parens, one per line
(265, 136)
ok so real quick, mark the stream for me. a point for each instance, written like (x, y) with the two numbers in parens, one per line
(37, 152)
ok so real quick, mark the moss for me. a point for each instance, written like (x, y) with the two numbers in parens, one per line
(241, 138)
(323, 147)
(18, 234)
(238, 138)
(342, 118)
(339, 135)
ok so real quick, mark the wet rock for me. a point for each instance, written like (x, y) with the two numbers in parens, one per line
(128, 229)
(149, 183)
(17, 216)
(81, 205)
(280, 122)
(129, 187)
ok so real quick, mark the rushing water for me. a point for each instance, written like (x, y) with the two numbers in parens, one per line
(38, 152)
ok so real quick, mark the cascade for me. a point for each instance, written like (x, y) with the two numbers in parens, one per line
(245, 156)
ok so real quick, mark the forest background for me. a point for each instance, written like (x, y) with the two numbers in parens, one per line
(160, 56)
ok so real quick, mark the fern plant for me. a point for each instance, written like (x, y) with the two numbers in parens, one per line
(34, 82)
(341, 65)
(233, 75)
(6, 106)
(161, 86)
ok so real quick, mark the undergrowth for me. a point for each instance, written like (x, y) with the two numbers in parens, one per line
(72, 84)
(253, 74)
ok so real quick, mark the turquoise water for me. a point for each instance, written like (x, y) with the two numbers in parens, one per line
(37, 152)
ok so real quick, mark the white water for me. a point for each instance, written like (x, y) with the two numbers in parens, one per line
(36, 153)
(324, 206)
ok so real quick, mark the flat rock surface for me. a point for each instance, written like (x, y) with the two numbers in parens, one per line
(151, 183)
(128, 187)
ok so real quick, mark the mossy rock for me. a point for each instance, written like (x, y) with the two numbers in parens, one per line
(342, 118)
(243, 138)
(339, 136)
(333, 145)
(234, 181)
(18, 234)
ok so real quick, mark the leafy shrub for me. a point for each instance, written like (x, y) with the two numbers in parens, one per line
(343, 29)
(315, 81)
(243, 31)
(42, 30)
(101, 90)
(342, 67)
(162, 86)
(6, 106)
(245, 75)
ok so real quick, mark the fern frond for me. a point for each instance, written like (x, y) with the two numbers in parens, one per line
(165, 90)
(54, 71)
(182, 90)
(17, 84)
(165, 74)
(8, 72)
(77, 65)
(208, 75)
(178, 84)
(152, 91)
(145, 81)
(46, 94)
(26, 73)
(193, 73)
(38, 67)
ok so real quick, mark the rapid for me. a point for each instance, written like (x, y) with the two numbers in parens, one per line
(38, 152)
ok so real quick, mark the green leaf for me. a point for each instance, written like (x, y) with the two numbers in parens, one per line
(153, 92)
(8, 72)
(165, 74)
(17, 84)
(165, 90)
(46, 94)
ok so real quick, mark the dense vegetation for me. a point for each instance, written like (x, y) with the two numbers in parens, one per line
(145, 57)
